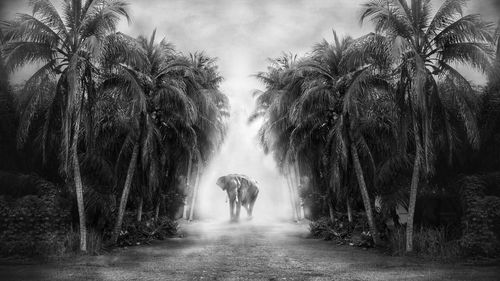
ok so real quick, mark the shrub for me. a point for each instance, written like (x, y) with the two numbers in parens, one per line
(33, 225)
(481, 221)
(481, 228)
(343, 231)
(427, 242)
(143, 232)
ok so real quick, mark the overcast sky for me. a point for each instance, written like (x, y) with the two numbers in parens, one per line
(243, 33)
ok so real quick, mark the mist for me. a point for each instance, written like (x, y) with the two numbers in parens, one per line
(242, 154)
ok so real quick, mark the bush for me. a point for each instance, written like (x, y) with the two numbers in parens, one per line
(427, 242)
(143, 232)
(342, 231)
(481, 228)
(33, 225)
(481, 221)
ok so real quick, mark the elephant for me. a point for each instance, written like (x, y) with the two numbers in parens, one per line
(242, 191)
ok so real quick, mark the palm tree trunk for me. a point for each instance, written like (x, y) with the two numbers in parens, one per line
(364, 194)
(331, 210)
(293, 185)
(290, 191)
(349, 210)
(73, 106)
(79, 187)
(195, 187)
(157, 209)
(126, 190)
(296, 169)
(89, 124)
(112, 204)
(188, 181)
(413, 189)
(139, 209)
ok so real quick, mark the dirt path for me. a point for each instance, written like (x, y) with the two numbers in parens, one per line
(245, 251)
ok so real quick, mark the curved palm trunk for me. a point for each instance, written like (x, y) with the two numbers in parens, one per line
(331, 190)
(139, 209)
(79, 188)
(157, 208)
(331, 210)
(287, 178)
(298, 200)
(292, 186)
(413, 190)
(73, 106)
(291, 181)
(364, 194)
(126, 190)
(195, 187)
(188, 180)
(349, 210)
(90, 106)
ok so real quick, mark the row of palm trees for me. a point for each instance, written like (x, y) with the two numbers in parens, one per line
(377, 113)
(118, 114)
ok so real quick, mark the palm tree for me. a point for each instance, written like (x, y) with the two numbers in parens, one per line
(153, 78)
(283, 88)
(212, 107)
(64, 44)
(424, 49)
(339, 86)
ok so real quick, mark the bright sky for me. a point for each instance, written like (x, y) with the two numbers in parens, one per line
(242, 34)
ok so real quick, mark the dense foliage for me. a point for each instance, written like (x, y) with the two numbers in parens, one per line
(381, 120)
(112, 120)
(36, 223)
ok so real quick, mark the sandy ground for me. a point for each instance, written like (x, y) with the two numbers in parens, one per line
(245, 251)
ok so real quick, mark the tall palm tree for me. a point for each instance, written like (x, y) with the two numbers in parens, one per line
(65, 44)
(425, 48)
(334, 97)
(153, 78)
(212, 107)
(283, 88)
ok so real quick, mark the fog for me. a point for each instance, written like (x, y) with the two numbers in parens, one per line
(241, 153)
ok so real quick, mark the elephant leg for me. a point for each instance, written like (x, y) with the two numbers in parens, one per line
(247, 207)
(250, 208)
(252, 202)
(231, 209)
(238, 208)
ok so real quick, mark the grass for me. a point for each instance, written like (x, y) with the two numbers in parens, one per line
(72, 242)
(427, 242)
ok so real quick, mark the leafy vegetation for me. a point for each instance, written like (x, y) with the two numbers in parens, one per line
(112, 120)
(387, 118)
(34, 224)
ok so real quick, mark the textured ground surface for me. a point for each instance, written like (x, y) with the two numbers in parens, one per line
(245, 251)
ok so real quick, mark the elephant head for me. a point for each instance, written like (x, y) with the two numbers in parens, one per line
(241, 190)
(230, 184)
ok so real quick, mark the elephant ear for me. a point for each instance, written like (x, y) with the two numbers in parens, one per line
(222, 182)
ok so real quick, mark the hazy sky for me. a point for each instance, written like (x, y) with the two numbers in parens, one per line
(242, 34)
